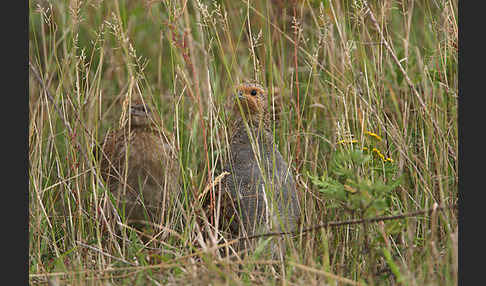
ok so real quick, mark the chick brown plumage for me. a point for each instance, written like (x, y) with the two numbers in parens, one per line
(139, 165)
(260, 190)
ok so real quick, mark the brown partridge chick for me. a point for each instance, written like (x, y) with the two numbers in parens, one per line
(260, 187)
(140, 167)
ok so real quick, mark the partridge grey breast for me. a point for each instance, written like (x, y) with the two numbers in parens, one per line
(140, 167)
(260, 185)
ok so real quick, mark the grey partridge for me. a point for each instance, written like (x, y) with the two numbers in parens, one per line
(261, 195)
(139, 165)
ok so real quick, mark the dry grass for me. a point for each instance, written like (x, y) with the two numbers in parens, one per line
(335, 70)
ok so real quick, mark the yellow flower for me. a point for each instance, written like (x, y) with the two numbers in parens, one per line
(379, 154)
(347, 141)
(373, 135)
(365, 148)
(389, 159)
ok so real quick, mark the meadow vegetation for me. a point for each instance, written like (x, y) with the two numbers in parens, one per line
(364, 100)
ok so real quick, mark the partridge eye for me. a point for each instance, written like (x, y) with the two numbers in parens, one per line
(253, 92)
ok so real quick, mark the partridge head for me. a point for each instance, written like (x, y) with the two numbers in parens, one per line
(252, 97)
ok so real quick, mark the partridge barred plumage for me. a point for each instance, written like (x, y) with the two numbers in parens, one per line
(141, 156)
(260, 190)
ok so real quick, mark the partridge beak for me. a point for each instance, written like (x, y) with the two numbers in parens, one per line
(240, 95)
(140, 109)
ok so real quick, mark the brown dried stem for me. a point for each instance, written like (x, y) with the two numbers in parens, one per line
(354, 221)
(183, 46)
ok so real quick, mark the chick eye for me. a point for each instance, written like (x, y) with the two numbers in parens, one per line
(253, 92)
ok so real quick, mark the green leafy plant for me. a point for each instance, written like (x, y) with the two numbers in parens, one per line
(358, 180)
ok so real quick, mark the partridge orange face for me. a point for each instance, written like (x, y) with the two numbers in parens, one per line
(251, 96)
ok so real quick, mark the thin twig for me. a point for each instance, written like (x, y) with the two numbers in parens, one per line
(350, 222)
